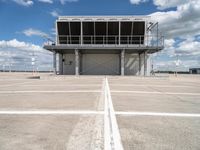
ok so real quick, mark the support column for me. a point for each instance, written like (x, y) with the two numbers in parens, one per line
(119, 33)
(81, 33)
(122, 61)
(140, 64)
(145, 63)
(54, 62)
(77, 62)
(60, 57)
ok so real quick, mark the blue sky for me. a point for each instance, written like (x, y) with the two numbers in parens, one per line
(16, 18)
(25, 22)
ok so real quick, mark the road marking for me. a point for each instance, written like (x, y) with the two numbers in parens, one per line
(112, 138)
(154, 92)
(153, 85)
(15, 84)
(51, 112)
(156, 114)
(107, 139)
(69, 85)
(74, 91)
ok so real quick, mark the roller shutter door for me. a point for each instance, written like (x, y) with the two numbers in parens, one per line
(100, 64)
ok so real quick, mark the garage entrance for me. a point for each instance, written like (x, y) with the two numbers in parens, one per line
(100, 64)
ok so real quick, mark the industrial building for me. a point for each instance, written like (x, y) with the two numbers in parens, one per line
(105, 45)
(194, 70)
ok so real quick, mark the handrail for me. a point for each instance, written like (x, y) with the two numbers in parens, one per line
(140, 40)
(114, 40)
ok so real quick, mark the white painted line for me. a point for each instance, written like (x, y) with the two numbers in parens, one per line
(114, 141)
(152, 85)
(156, 114)
(154, 92)
(6, 79)
(51, 112)
(107, 139)
(74, 91)
(66, 85)
(15, 84)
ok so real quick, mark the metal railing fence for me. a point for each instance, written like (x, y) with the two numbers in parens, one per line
(140, 40)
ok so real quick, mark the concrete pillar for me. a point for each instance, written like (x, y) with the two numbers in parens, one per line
(122, 61)
(77, 62)
(140, 64)
(60, 58)
(145, 63)
(81, 33)
(119, 33)
(54, 62)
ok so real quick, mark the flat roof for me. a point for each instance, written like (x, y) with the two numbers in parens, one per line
(103, 18)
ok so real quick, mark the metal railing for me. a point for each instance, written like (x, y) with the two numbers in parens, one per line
(140, 40)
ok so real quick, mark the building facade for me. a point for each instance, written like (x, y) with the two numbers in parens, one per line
(105, 45)
(194, 70)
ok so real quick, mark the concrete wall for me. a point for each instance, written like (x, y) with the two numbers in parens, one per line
(59, 63)
(69, 64)
(131, 64)
(148, 64)
(104, 64)
(141, 59)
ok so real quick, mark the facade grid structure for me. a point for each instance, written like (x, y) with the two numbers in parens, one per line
(105, 45)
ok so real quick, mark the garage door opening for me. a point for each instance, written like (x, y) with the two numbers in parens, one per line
(100, 64)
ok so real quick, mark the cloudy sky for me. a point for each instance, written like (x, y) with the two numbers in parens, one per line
(24, 25)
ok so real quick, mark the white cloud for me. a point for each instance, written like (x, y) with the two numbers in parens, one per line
(169, 43)
(136, 2)
(64, 1)
(19, 45)
(18, 54)
(31, 2)
(170, 65)
(188, 48)
(185, 48)
(31, 32)
(187, 52)
(53, 31)
(46, 1)
(183, 22)
(24, 2)
(54, 13)
(163, 4)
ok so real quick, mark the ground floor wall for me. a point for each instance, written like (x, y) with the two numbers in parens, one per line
(121, 63)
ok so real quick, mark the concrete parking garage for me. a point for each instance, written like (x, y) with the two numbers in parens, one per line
(69, 112)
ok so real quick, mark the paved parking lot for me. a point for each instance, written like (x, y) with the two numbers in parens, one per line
(69, 112)
(149, 102)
